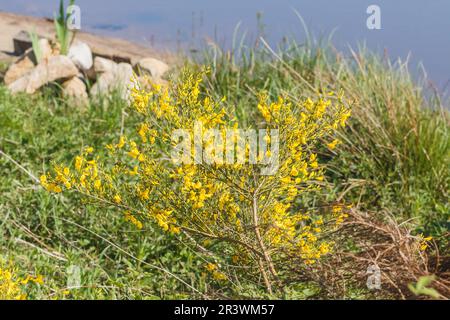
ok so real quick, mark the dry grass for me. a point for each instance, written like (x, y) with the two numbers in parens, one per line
(367, 240)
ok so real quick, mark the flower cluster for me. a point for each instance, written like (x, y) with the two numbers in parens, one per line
(424, 242)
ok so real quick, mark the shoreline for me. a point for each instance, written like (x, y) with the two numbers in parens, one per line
(11, 24)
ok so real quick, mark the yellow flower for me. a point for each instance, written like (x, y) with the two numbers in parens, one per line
(144, 195)
(344, 118)
(332, 145)
(143, 130)
(134, 171)
(129, 217)
(38, 279)
(97, 184)
(217, 275)
(121, 142)
(294, 172)
(424, 242)
(43, 180)
(134, 153)
(117, 199)
(88, 150)
(78, 163)
(211, 267)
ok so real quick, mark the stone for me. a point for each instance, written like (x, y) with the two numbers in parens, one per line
(27, 62)
(154, 67)
(53, 69)
(46, 49)
(81, 55)
(20, 85)
(104, 84)
(22, 42)
(124, 74)
(90, 74)
(117, 79)
(20, 68)
(102, 65)
(75, 88)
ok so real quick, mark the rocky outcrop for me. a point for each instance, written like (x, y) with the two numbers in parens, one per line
(80, 65)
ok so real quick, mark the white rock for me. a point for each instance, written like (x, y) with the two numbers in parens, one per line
(81, 55)
(156, 68)
(102, 65)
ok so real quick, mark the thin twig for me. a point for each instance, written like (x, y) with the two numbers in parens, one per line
(32, 176)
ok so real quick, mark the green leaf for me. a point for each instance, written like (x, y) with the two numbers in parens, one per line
(35, 45)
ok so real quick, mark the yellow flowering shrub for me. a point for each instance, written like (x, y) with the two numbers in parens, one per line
(243, 216)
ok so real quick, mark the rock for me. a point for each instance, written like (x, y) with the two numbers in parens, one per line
(104, 84)
(117, 79)
(46, 49)
(75, 88)
(154, 67)
(90, 74)
(124, 74)
(55, 68)
(22, 42)
(20, 68)
(102, 65)
(27, 62)
(20, 85)
(81, 55)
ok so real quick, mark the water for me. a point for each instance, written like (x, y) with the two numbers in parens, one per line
(420, 29)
